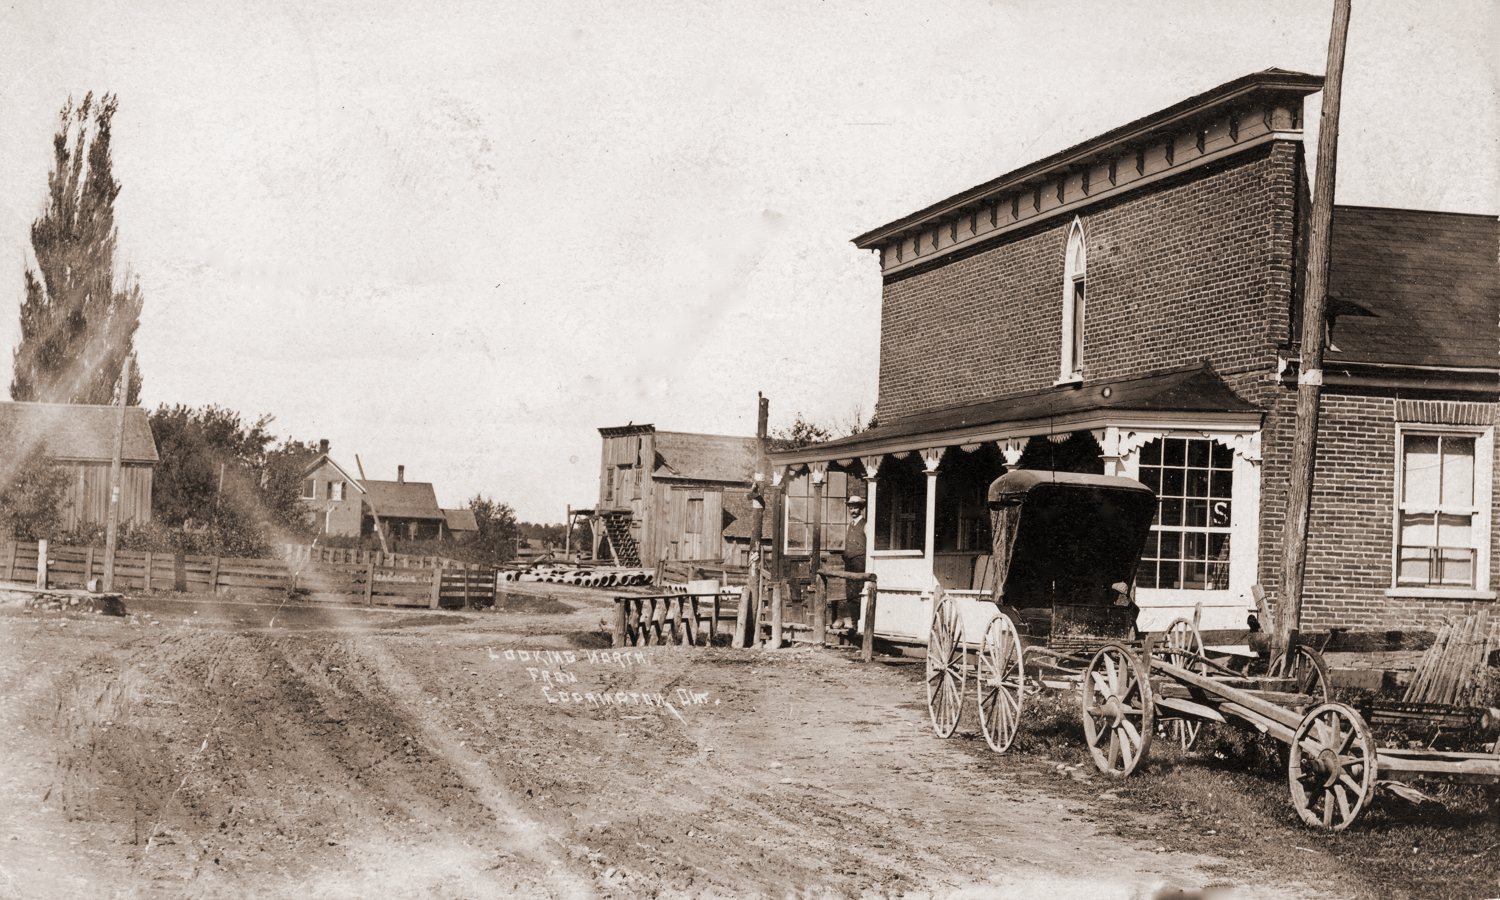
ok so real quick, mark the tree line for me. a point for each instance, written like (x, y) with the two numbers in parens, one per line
(224, 485)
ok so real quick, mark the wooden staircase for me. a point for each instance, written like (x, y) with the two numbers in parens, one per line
(621, 544)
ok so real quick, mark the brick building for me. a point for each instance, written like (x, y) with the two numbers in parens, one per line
(1130, 306)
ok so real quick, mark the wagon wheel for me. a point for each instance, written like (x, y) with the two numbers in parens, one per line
(1181, 646)
(947, 662)
(1332, 766)
(1306, 668)
(1118, 710)
(1001, 682)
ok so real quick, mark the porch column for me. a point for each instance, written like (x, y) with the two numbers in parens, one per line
(818, 473)
(1011, 449)
(930, 459)
(872, 473)
(1111, 451)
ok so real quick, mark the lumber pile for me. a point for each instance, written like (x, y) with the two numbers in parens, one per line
(1449, 667)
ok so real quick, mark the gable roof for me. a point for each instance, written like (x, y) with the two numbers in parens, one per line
(461, 520)
(703, 457)
(403, 499)
(325, 458)
(76, 433)
(1431, 281)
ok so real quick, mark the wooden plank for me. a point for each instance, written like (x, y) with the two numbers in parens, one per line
(867, 615)
(437, 589)
(10, 560)
(618, 639)
(146, 586)
(369, 584)
(179, 572)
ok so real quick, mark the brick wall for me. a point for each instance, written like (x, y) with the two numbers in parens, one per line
(1196, 268)
(1351, 527)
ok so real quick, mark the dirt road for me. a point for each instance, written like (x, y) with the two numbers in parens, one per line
(202, 749)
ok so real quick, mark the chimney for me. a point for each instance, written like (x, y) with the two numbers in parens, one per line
(323, 445)
(401, 474)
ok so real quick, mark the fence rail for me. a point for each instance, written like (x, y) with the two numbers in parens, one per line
(372, 580)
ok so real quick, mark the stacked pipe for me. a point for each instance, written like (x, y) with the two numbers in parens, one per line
(579, 576)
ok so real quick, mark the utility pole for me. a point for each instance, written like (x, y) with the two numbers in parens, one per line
(1314, 332)
(116, 463)
(374, 513)
(745, 625)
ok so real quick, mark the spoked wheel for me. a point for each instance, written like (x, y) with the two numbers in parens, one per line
(1331, 767)
(1182, 647)
(947, 662)
(1306, 667)
(1001, 682)
(1118, 710)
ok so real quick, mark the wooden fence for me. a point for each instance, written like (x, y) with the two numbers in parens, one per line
(450, 586)
(305, 553)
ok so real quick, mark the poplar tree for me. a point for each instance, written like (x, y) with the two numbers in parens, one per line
(76, 327)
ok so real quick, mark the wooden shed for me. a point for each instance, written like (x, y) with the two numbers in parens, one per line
(81, 439)
(662, 493)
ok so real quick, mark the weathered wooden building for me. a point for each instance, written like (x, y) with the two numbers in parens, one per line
(662, 493)
(338, 503)
(81, 440)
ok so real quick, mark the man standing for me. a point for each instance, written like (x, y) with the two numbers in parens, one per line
(854, 561)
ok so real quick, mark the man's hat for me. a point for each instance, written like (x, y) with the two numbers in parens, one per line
(856, 500)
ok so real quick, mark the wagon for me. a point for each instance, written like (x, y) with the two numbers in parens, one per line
(1061, 615)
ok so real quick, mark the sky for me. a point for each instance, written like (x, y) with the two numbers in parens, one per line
(463, 236)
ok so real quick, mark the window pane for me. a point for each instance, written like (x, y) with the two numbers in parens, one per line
(1197, 483)
(1455, 531)
(1171, 545)
(1195, 514)
(1198, 454)
(1414, 567)
(1171, 513)
(1151, 454)
(1418, 530)
(1172, 482)
(1195, 576)
(1146, 576)
(1421, 473)
(796, 537)
(1168, 577)
(1458, 471)
(1222, 485)
(1223, 457)
(833, 537)
(838, 485)
(1456, 567)
(796, 509)
(1175, 452)
(1151, 478)
(1220, 514)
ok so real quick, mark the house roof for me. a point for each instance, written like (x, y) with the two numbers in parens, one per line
(461, 520)
(403, 499)
(325, 458)
(1233, 93)
(1429, 280)
(703, 457)
(76, 432)
(1196, 390)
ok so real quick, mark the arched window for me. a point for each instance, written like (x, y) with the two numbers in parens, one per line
(1075, 272)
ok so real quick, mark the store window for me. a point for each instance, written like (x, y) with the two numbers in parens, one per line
(1188, 548)
(901, 505)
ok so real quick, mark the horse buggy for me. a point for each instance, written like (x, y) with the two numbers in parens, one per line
(1061, 616)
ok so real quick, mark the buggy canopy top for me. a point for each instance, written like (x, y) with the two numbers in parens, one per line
(1065, 539)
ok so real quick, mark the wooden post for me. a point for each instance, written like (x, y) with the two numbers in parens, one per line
(713, 621)
(213, 576)
(815, 565)
(179, 572)
(146, 581)
(1314, 332)
(776, 612)
(112, 516)
(88, 566)
(867, 619)
(41, 564)
(468, 567)
(10, 561)
(370, 584)
(619, 635)
(437, 589)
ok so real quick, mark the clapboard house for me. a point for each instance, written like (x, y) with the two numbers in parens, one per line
(662, 493)
(337, 503)
(81, 440)
(1130, 306)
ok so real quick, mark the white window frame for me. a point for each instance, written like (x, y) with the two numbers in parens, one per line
(313, 495)
(1484, 469)
(1075, 277)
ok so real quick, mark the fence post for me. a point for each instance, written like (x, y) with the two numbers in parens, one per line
(619, 637)
(467, 568)
(370, 585)
(10, 561)
(213, 576)
(179, 572)
(437, 588)
(868, 615)
(776, 612)
(88, 566)
(41, 564)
